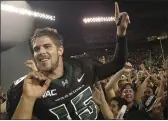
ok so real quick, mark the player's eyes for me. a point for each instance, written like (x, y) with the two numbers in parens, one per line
(47, 46)
(36, 49)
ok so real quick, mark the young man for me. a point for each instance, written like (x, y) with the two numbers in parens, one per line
(128, 94)
(61, 89)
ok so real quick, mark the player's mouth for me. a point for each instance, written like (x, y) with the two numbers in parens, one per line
(44, 60)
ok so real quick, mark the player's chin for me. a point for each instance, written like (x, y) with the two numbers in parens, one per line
(46, 68)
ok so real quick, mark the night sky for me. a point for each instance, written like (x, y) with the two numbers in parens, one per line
(147, 18)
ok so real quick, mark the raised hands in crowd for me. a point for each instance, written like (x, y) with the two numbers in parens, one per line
(141, 90)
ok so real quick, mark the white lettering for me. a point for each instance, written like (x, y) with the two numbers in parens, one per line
(66, 96)
(49, 93)
(70, 93)
(44, 95)
(53, 92)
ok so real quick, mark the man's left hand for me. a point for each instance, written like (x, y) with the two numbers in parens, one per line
(122, 20)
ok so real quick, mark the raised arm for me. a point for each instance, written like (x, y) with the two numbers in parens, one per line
(120, 56)
(31, 91)
(99, 99)
(113, 80)
(141, 89)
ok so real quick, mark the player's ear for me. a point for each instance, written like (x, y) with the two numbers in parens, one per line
(60, 50)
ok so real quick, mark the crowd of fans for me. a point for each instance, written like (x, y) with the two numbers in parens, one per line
(138, 91)
(141, 86)
(149, 57)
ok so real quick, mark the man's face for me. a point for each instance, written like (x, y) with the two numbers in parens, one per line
(46, 54)
(128, 94)
(114, 107)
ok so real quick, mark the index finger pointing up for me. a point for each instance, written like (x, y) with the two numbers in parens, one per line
(117, 11)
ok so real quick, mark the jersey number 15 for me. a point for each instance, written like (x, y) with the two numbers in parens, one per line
(83, 104)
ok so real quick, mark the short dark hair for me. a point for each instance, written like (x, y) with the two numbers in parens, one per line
(49, 32)
(127, 84)
(120, 101)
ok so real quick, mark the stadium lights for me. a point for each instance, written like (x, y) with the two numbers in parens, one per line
(157, 37)
(162, 37)
(22, 11)
(98, 19)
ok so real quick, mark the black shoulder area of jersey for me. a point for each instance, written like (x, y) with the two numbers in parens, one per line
(13, 95)
(88, 64)
(17, 86)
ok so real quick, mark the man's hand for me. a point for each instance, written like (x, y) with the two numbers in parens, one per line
(104, 82)
(98, 95)
(31, 65)
(128, 67)
(32, 88)
(99, 99)
(122, 20)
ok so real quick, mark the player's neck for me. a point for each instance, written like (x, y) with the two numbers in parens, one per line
(58, 72)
